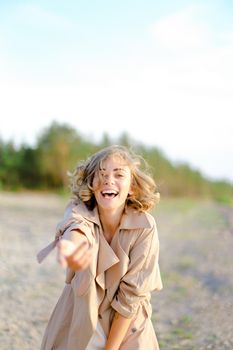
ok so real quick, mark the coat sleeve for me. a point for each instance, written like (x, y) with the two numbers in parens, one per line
(74, 221)
(143, 275)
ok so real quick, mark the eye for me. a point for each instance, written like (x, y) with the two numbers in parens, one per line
(119, 175)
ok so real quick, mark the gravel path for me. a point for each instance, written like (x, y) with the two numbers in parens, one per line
(194, 311)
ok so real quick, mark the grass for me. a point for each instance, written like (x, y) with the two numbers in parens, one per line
(185, 262)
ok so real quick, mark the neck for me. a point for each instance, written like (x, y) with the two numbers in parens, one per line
(110, 220)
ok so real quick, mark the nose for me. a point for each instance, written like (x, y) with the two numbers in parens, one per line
(108, 179)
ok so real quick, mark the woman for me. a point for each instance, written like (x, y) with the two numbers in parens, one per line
(108, 241)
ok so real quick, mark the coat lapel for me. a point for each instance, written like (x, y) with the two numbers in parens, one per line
(117, 271)
(106, 259)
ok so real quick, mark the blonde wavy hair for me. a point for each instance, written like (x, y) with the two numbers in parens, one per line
(145, 194)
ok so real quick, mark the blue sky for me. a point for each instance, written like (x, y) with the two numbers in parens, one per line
(160, 70)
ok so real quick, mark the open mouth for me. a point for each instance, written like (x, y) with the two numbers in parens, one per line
(109, 193)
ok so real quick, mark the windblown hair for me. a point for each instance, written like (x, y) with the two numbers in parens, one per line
(145, 194)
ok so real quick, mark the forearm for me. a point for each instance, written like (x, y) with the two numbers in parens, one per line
(119, 328)
(75, 236)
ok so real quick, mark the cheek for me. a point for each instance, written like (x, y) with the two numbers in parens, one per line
(127, 186)
(96, 183)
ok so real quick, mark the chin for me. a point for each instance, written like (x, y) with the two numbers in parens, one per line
(111, 206)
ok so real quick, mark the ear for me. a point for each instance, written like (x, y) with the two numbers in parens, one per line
(131, 191)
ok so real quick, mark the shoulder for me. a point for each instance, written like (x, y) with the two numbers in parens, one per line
(148, 231)
(77, 207)
(150, 219)
(134, 220)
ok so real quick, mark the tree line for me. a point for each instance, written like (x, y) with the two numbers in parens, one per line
(60, 147)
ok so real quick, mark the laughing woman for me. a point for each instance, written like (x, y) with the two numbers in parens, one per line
(109, 244)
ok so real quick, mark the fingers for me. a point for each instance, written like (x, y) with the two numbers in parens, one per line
(64, 249)
(77, 258)
(80, 259)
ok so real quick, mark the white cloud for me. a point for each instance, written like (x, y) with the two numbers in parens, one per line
(182, 30)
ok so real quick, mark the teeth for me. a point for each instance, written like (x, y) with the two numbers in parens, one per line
(109, 192)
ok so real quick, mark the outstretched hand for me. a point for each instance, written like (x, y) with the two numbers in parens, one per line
(76, 257)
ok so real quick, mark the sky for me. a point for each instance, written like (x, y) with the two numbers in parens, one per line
(161, 71)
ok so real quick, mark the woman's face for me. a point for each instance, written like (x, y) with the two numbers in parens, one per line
(112, 184)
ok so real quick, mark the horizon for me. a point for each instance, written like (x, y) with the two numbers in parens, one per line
(113, 140)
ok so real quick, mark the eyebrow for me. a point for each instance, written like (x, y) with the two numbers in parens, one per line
(116, 169)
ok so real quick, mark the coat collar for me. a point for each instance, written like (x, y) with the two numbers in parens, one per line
(131, 219)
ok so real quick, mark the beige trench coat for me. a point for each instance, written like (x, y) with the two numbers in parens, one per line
(120, 278)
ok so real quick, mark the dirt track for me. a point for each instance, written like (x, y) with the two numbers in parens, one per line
(193, 312)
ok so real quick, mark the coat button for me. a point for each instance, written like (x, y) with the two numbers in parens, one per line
(100, 317)
(134, 330)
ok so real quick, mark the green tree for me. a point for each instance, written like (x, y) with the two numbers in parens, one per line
(59, 149)
(29, 171)
(9, 162)
(58, 146)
